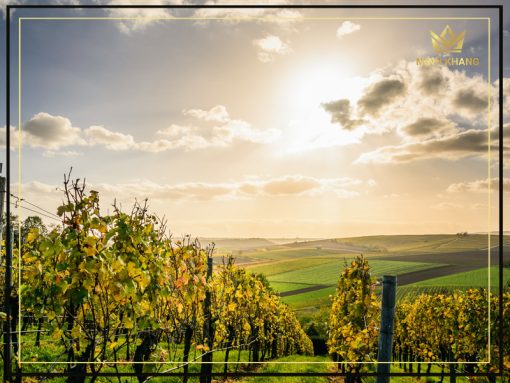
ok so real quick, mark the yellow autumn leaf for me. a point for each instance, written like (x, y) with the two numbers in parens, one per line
(57, 334)
(32, 235)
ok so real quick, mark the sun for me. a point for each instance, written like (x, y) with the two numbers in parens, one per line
(316, 81)
(308, 87)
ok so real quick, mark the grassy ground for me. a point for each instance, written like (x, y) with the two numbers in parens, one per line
(313, 299)
(286, 265)
(295, 367)
(475, 278)
(328, 273)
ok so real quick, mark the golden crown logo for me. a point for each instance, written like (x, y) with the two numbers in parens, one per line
(447, 41)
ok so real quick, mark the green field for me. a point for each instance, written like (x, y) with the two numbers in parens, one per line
(285, 265)
(313, 299)
(475, 278)
(327, 274)
(316, 264)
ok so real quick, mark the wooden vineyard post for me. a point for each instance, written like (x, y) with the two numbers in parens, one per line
(386, 330)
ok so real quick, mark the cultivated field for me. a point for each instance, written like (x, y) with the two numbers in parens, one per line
(305, 271)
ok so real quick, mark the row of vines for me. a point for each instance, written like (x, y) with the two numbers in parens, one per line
(117, 288)
(451, 330)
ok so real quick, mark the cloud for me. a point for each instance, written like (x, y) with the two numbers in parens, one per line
(13, 137)
(347, 28)
(467, 99)
(98, 135)
(458, 144)
(479, 186)
(285, 186)
(284, 17)
(302, 185)
(341, 113)
(432, 80)
(56, 132)
(224, 133)
(116, 141)
(425, 127)
(141, 18)
(433, 112)
(271, 47)
(51, 132)
(290, 185)
(464, 144)
(217, 114)
(381, 93)
(68, 153)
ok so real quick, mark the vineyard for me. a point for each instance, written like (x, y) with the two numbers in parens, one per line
(116, 293)
(117, 289)
(458, 330)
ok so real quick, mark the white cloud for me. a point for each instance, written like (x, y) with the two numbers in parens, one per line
(137, 19)
(347, 28)
(56, 132)
(98, 135)
(66, 153)
(283, 17)
(217, 114)
(51, 132)
(13, 137)
(270, 47)
(222, 134)
(285, 186)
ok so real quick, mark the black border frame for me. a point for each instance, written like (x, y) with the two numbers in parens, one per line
(7, 344)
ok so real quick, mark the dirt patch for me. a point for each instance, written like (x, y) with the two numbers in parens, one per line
(304, 290)
(421, 275)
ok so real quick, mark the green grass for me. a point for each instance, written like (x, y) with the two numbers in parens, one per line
(286, 265)
(282, 287)
(317, 298)
(475, 278)
(328, 273)
(293, 368)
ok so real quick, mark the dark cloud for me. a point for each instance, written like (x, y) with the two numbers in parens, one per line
(423, 126)
(380, 94)
(469, 100)
(341, 113)
(432, 81)
(465, 144)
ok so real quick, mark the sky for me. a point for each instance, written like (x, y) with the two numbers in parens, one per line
(264, 122)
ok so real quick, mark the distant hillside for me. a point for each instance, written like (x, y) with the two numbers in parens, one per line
(242, 244)
(236, 244)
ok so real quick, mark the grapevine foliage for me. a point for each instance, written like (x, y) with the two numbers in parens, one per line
(117, 288)
(354, 316)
